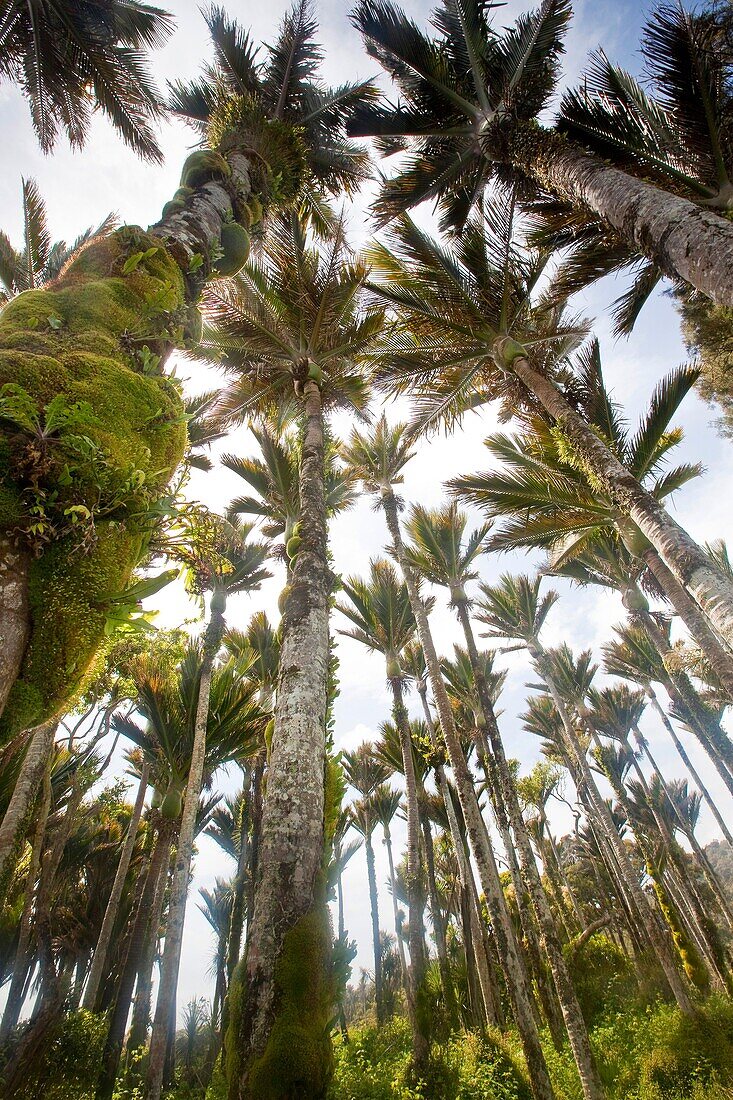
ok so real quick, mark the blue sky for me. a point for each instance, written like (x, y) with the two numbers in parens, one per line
(81, 188)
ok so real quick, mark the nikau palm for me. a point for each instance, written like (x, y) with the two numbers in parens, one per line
(293, 328)
(469, 101)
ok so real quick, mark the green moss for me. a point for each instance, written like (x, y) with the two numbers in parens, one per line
(93, 338)
(298, 1060)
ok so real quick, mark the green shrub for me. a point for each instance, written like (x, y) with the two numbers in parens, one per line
(72, 1057)
(603, 977)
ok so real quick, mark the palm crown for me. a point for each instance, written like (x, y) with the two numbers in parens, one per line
(379, 609)
(461, 96)
(377, 457)
(438, 550)
(293, 313)
(284, 85)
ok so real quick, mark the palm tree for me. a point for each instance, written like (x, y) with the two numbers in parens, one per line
(71, 59)
(293, 329)
(217, 909)
(365, 773)
(377, 460)
(441, 552)
(131, 298)
(386, 802)
(467, 116)
(382, 619)
(553, 504)
(467, 333)
(41, 259)
(513, 609)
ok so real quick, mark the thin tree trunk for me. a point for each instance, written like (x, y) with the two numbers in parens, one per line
(674, 978)
(145, 953)
(15, 616)
(446, 980)
(184, 851)
(395, 907)
(570, 1007)
(416, 972)
(517, 980)
(718, 656)
(376, 938)
(258, 772)
(293, 825)
(101, 951)
(23, 797)
(22, 963)
(682, 753)
(688, 562)
(684, 240)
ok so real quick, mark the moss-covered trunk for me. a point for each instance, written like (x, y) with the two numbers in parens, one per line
(22, 800)
(282, 997)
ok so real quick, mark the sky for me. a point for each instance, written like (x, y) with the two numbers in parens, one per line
(80, 188)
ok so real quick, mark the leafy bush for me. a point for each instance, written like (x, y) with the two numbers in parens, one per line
(603, 977)
(71, 1063)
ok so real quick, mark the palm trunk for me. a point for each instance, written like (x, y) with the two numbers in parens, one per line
(492, 1009)
(516, 976)
(605, 821)
(688, 562)
(21, 803)
(236, 921)
(708, 731)
(288, 895)
(18, 982)
(682, 753)
(376, 938)
(570, 1007)
(717, 656)
(184, 851)
(113, 905)
(439, 921)
(145, 953)
(685, 241)
(15, 615)
(415, 991)
(258, 772)
(395, 908)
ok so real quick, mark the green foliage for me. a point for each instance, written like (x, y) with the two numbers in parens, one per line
(375, 1065)
(70, 1063)
(603, 977)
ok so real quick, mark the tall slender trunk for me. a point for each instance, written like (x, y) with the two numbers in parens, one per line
(439, 920)
(606, 823)
(717, 655)
(376, 938)
(99, 958)
(685, 240)
(20, 807)
(258, 772)
(293, 825)
(492, 1010)
(184, 852)
(145, 953)
(395, 907)
(517, 979)
(415, 993)
(682, 753)
(22, 962)
(706, 728)
(570, 1007)
(239, 902)
(689, 563)
(15, 620)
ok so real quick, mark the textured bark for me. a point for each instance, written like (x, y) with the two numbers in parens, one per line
(40, 747)
(684, 240)
(515, 972)
(718, 656)
(682, 753)
(376, 939)
(22, 962)
(416, 970)
(182, 869)
(606, 824)
(569, 1005)
(292, 826)
(113, 904)
(15, 621)
(439, 922)
(689, 563)
(254, 859)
